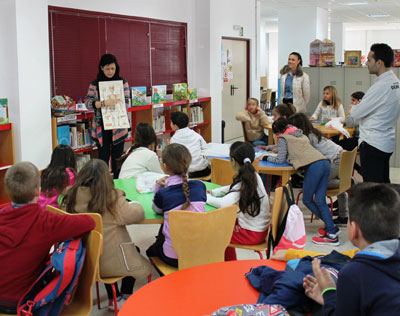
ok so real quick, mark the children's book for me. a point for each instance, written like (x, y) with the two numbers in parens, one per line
(63, 135)
(113, 116)
(3, 111)
(159, 94)
(138, 95)
(179, 91)
(192, 93)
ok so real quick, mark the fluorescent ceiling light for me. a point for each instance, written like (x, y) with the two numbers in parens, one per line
(394, 22)
(383, 15)
(355, 3)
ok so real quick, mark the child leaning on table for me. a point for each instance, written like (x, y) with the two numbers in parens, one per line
(369, 284)
(94, 192)
(27, 234)
(248, 192)
(330, 106)
(141, 156)
(175, 192)
(254, 119)
(58, 175)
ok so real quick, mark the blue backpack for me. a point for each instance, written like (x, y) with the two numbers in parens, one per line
(54, 288)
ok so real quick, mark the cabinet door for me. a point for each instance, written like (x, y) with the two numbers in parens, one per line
(332, 77)
(356, 79)
(315, 94)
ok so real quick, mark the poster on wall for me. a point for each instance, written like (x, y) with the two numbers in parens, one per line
(113, 116)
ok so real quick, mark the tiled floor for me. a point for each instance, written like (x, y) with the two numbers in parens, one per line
(143, 236)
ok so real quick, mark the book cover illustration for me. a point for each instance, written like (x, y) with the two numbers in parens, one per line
(179, 91)
(192, 93)
(113, 116)
(3, 111)
(159, 94)
(138, 95)
(63, 135)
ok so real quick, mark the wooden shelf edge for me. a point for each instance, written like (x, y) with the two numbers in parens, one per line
(84, 149)
(139, 108)
(199, 124)
(5, 127)
(5, 166)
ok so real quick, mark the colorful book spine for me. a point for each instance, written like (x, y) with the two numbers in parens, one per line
(138, 95)
(159, 94)
(3, 111)
(180, 91)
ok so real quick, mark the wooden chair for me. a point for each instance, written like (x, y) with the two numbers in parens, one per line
(278, 211)
(345, 172)
(244, 133)
(221, 172)
(199, 238)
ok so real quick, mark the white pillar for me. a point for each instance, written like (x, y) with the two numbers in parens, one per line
(298, 27)
(338, 36)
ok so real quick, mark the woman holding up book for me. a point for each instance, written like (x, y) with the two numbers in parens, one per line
(109, 142)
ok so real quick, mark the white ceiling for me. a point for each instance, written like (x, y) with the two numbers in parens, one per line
(355, 17)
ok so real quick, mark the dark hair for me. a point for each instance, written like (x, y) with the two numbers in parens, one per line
(180, 119)
(144, 137)
(298, 56)
(96, 176)
(383, 52)
(55, 176)
(375, 207)
(285, 110)
(178, 159)
(249, 201)
(279, 126)
(108, 59)
(301, 121)
(22, 182)
(358, 95)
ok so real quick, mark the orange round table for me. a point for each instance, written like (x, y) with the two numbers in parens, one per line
(197, 291)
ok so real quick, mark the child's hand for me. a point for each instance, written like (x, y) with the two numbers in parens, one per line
(262, 147)
(162, 181)
(312, 289)
(208, 191)
(312, 119)
(322, 275)
(275, 150)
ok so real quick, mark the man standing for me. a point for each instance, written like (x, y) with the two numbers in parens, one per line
(377, 116)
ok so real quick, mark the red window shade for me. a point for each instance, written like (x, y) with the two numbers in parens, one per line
(79, 38)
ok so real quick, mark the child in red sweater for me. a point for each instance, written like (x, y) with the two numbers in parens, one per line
(27, 234)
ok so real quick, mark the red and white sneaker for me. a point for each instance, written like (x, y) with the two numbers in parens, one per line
(328, 239)
(322, 232)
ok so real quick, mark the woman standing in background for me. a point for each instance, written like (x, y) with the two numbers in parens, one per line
(295, 84)
(109, 142)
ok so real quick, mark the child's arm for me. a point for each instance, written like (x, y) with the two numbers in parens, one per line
(282, 152)
(221, 191)
(128, 213)
(341, 114)
(317, 112)
(157, 205)
(263, 117)
(229, 199)
(243, 116)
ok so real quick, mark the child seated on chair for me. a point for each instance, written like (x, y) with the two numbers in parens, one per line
(94, 192)
(248, 192)
(370, 283)
(193, 141)
(27, 233)
(254, 119)
(175, 192)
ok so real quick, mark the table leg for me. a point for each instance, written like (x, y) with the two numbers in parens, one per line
(285, 177)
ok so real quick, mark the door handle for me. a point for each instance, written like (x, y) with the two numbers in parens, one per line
(233, 88)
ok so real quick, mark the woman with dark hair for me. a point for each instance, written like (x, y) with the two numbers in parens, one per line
(109, 142)
(295, 84)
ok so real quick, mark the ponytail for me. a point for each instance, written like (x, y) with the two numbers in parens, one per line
(186, 191)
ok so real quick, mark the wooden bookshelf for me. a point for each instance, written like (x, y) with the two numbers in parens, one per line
(7, 158)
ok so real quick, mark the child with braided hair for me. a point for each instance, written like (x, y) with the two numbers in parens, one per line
(175, 192)
(248, 192)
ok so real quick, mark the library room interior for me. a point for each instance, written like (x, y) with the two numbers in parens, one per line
(202, 157)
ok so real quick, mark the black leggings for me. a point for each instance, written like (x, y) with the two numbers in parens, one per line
(156, 250)
(109, 149)
(126, 287)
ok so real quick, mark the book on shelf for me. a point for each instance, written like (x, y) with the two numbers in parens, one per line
(196, 114)
(179, 91)
(163, 141)
(77, 136)
(81, 160)
(192, 94)
(3, 111)
(159, 123)
(159, 94)
(63, 136)
(138, 95)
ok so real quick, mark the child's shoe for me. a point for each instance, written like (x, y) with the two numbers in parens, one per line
(328, 239)
(322, 232)
(120, 302)
(340, 221)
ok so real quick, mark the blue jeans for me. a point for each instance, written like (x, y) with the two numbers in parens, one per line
(315, 183)
(263, 141)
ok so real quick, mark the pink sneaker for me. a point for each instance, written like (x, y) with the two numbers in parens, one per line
(328, 239)
(322, 232)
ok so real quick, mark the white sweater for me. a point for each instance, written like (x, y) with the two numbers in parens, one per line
(195, 143)
(328, 112)
(220, 198)
(140, 160)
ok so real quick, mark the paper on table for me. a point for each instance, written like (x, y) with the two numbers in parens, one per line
(216, 150)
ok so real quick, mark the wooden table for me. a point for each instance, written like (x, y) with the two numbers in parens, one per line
(270, 133)
(146, 199)
(197, 291)
(283, 170)
(330, 132)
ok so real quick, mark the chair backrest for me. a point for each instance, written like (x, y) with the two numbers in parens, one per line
(346, 169)
(96, 217)
(221, 172)
(83, 301)
(277, 211)
(201, 238)
(244, 133)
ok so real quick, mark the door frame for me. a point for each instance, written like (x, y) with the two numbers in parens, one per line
(247, 60)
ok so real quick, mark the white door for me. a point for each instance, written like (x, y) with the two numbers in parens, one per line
(234, 93)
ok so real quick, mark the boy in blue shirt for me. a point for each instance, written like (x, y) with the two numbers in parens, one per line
(370, 283)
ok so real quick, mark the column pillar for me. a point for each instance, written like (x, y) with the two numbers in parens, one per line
(338, 36)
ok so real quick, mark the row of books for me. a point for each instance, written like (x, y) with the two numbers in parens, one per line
(81, 160)
(159, 123)
(180, 92)
(77, 135)
(196, 114)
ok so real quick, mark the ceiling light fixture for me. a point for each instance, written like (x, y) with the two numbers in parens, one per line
(394, 22)
(355, 3)
(382, 15)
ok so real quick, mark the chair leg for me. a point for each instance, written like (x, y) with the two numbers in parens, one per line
(330, 198)
(115, 299)
(298, 197)
(312, 217)
(98, 295)
(149, 278)
(260, 254)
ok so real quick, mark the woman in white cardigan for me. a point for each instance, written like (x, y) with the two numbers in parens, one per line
(295, 84)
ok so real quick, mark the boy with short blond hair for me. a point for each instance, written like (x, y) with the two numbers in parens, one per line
(27, 234)
(370, 283)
